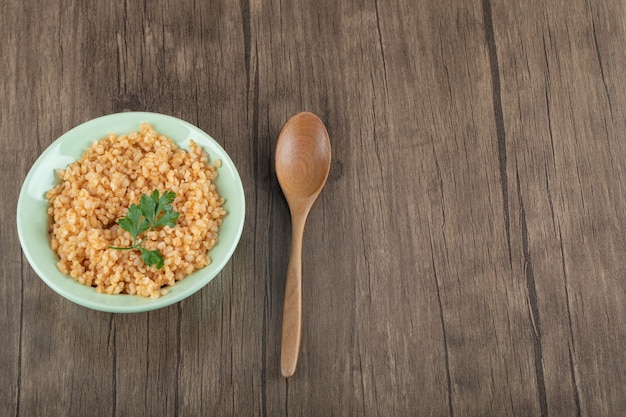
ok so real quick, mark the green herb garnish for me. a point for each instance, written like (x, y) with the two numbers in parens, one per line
(153, 211)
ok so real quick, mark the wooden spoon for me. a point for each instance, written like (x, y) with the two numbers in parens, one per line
(302, 166)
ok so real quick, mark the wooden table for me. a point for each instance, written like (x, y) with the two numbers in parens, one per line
(467, 257)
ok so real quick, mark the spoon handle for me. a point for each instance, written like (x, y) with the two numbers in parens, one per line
(292, 310)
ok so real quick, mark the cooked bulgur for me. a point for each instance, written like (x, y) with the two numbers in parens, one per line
(97, 189)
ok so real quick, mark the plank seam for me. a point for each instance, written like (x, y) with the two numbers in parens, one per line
(490, 40)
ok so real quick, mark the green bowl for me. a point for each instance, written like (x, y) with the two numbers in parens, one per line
(33, 220)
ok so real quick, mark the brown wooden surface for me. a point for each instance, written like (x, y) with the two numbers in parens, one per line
(467, 257)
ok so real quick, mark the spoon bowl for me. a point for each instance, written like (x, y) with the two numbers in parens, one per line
(303, 158)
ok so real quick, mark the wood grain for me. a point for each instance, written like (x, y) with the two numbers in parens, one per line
(466, 257)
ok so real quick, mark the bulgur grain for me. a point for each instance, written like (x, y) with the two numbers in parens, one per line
(98, 188)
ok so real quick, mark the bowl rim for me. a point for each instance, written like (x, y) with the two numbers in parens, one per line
(118, 303)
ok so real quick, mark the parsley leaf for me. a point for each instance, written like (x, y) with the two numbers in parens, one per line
(152, 207)
(168, 219)
(133, 223)
(153, 211)
(152, 257)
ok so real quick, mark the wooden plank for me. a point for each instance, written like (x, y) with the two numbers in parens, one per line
(565, 158)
